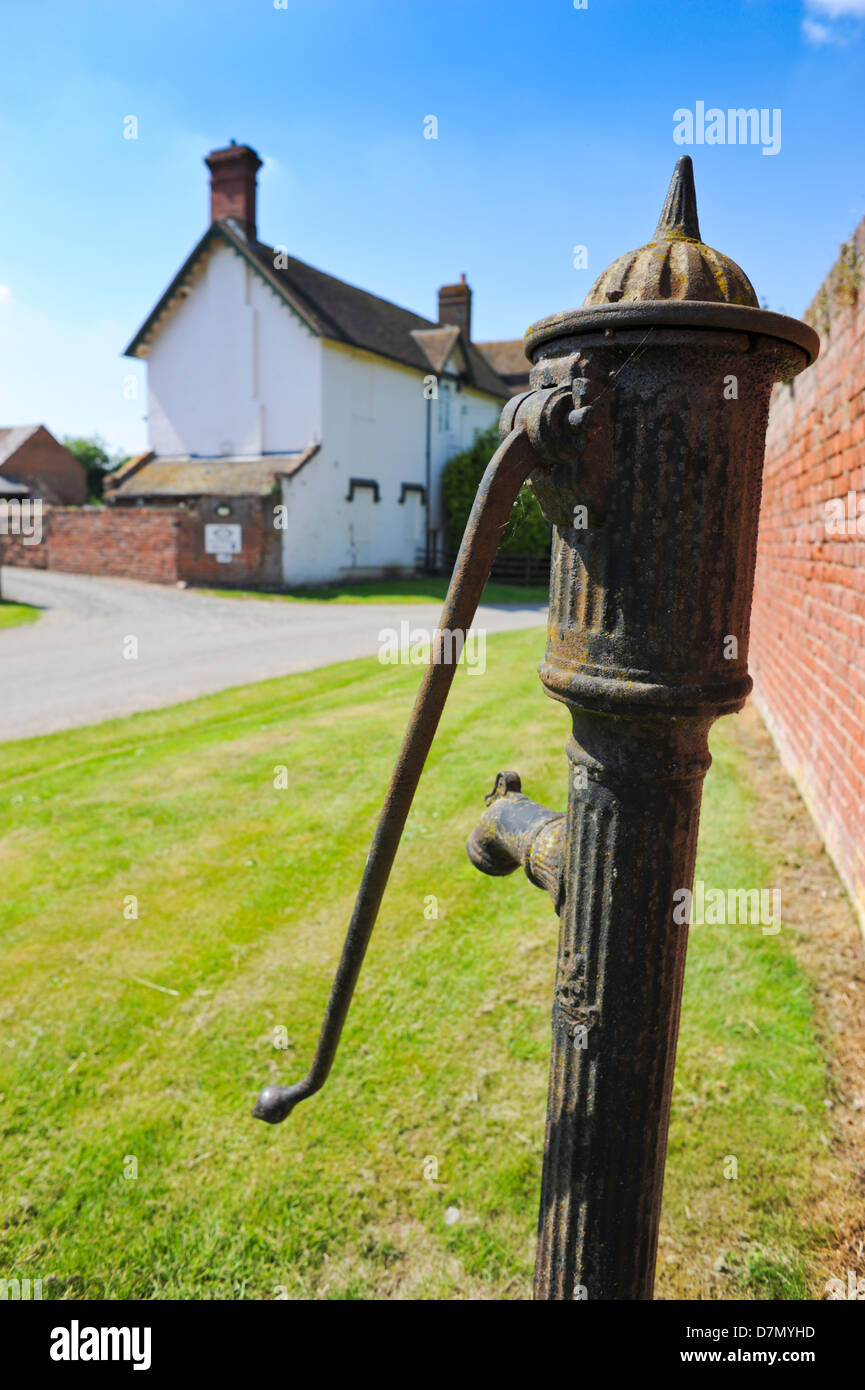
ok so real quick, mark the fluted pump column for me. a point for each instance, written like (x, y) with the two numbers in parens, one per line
(633, 816)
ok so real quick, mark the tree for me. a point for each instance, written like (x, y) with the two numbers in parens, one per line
(93, 452)
(527, 532)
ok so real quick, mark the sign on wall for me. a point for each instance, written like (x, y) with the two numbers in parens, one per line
(223, 539)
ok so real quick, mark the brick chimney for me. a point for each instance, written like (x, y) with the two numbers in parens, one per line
(232, 185)
(455, 306)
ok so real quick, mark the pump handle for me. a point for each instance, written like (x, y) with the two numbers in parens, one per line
(508, 469)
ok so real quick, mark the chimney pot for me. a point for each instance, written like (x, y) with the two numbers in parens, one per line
(233, 172)
(455, 306)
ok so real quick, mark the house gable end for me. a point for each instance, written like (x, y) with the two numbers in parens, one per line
(188, 274)
(233, 370)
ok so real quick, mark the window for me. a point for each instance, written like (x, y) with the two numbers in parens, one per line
(363, 493)
(363, 485)
(444, 408)
(361, 524)
(413, 499)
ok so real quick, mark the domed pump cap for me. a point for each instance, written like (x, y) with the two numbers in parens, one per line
(676, 263)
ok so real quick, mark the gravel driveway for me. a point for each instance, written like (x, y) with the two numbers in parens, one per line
(69, 668)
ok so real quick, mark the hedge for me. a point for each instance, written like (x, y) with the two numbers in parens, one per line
(527, 532)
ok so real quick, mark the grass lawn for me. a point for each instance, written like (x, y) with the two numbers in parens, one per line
(133, 1048)
(394, 591)
(11, 614)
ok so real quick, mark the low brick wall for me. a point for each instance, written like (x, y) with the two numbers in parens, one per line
(13, 551)
(158, 544)
(134, 544)
(807, 650)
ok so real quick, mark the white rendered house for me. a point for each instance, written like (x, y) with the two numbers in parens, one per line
(342, 407)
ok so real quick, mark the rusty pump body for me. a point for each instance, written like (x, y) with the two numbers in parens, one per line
(643, 436)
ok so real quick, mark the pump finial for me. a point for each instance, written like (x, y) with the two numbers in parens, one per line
(679, 213)
(676, 263)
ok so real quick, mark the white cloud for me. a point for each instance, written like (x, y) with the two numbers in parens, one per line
(836, 8)
(815, 33)
(819, 34)
(5, 294)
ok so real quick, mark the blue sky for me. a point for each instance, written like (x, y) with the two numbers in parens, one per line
(555, 129)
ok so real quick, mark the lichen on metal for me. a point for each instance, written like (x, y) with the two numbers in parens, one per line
(676, 263)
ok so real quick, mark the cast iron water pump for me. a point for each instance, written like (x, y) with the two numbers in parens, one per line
(643, 438)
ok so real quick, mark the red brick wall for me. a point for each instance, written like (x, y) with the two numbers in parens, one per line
(13, 551)
(140, 543)
(807, 651)
(159, 544)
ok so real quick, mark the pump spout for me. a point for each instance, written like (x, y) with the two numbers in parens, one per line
(515, 831)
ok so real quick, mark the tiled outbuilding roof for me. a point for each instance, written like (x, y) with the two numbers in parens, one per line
(11, 439)
(225, 477)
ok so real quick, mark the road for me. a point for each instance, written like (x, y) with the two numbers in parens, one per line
(69, 667)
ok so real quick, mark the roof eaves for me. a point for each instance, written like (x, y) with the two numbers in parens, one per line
(12, 437)
(488, 379)
(347, 342)
(131, 349)
(227, 233)
(300, 462)
(259, 262)
(126, 471)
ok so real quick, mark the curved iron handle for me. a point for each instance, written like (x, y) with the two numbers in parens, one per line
(506, 472)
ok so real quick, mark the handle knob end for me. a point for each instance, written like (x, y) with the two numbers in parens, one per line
(276, 1103)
